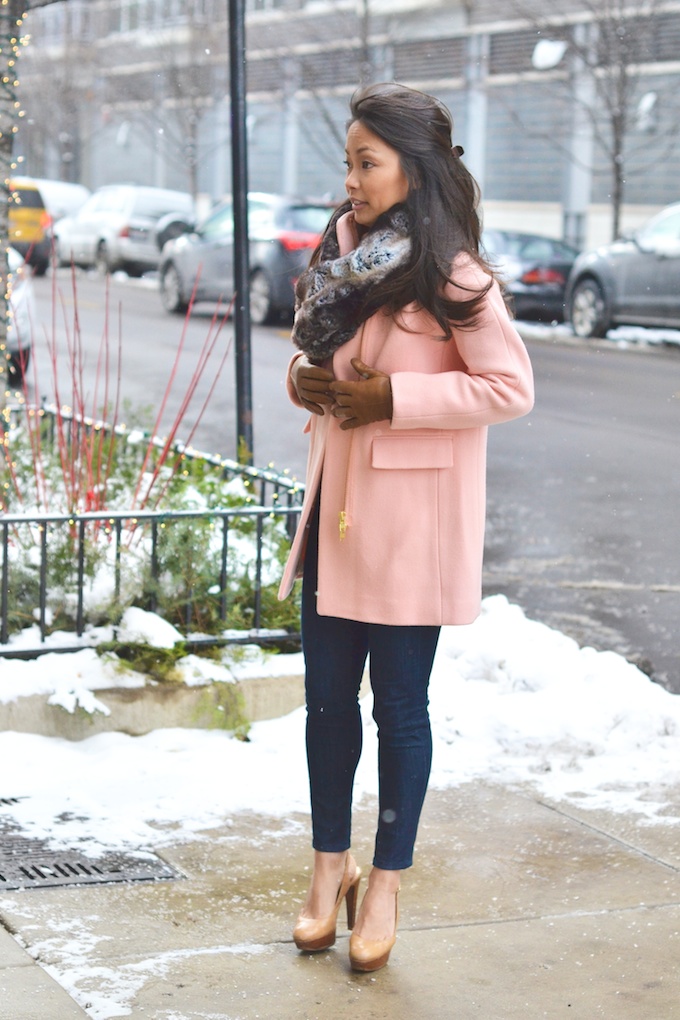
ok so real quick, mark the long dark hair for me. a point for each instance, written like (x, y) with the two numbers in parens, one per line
(442, 202)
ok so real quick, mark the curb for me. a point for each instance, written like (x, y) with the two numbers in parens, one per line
(139, 710)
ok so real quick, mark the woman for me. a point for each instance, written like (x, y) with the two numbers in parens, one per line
(406, 355)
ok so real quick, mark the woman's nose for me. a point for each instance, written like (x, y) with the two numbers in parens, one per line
(350, 180)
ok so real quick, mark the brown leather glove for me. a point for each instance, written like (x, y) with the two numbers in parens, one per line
(359, 403)
(312, 384)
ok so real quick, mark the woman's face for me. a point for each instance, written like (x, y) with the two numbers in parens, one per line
(375, 180)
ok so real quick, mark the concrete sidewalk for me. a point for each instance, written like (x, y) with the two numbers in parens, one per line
(515, 908)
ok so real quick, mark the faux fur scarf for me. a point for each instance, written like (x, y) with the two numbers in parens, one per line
(330, 294)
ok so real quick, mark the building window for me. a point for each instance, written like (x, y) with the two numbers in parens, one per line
(429, 58)
(132, 20)
(53, 24)
(263, 5)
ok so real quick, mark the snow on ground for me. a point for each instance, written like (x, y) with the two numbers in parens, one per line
(512, 701)
(624, 337)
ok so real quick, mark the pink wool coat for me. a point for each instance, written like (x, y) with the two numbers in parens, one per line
(412, 490)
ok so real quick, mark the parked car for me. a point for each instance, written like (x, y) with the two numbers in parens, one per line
(61, 198)
(534, 270)
(283, 234)
(634, 281)
(21, 318)
(115, 228)
(30, 224)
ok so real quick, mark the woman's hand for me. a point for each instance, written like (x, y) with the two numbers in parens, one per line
(312, 385)
(360, 403)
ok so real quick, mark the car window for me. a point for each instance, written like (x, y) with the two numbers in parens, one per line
(498, 243)
(260, 217)
(90, 206)
(30, 198)
(219, 224)
(545, 248)
(565, 251)
(310, 218)
(526, 246)
(536, 248)
(664, 227)
(154, 206)
(111, 199)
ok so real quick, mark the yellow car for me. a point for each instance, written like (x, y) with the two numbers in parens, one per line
(30, 225)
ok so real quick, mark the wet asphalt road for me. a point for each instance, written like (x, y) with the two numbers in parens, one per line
(584, 493)
(584, 501)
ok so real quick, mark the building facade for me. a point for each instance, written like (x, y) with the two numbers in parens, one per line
(561, 118)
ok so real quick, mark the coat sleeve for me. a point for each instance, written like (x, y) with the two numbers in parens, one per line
(494, 385)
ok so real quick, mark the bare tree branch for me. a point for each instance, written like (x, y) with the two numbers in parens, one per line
(618, 44)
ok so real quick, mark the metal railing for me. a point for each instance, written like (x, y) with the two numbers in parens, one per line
(267, 486)
(274, 503)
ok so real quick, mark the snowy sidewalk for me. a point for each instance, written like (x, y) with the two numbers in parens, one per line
(547, 872)
(515, 908)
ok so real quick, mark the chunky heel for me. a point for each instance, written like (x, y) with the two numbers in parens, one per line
(352, 898)
(312, 934)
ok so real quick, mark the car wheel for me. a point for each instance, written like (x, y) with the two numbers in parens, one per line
(262, 310)
(172, 295)
(588, 311)
(103, 259)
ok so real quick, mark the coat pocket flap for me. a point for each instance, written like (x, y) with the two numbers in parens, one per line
(412, 452)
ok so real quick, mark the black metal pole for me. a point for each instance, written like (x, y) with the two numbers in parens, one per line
(239, 190)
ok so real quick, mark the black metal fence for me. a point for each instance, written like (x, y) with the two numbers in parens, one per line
(274, 503)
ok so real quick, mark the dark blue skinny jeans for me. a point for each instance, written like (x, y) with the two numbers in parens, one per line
(401, 658)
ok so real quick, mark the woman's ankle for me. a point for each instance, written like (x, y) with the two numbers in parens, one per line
(327, 874)
(328, 864)
(384, 880)
(377, 914)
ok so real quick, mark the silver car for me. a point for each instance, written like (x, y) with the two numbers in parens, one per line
(116, 228)
(634, 281)
(283, 233)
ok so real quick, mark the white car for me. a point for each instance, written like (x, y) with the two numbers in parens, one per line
(116, 228)
(21, 318)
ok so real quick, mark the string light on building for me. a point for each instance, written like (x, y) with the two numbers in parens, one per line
(12, 40)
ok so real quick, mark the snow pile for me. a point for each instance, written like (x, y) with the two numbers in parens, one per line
(512, 701)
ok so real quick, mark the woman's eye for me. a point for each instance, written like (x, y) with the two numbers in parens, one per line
(366, 164)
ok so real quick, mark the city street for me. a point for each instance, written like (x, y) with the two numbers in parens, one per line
(584, 493)
(584, 496)
(149, 341)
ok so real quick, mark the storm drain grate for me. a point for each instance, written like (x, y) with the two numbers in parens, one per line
(27, 863)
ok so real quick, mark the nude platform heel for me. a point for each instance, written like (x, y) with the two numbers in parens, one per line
(372, 954)
(311, 934)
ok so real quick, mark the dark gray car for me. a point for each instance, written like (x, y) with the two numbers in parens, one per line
(198, 266)
(534, 270)
(634, 281)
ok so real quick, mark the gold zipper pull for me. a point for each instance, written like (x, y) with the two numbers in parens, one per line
(343, 524)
